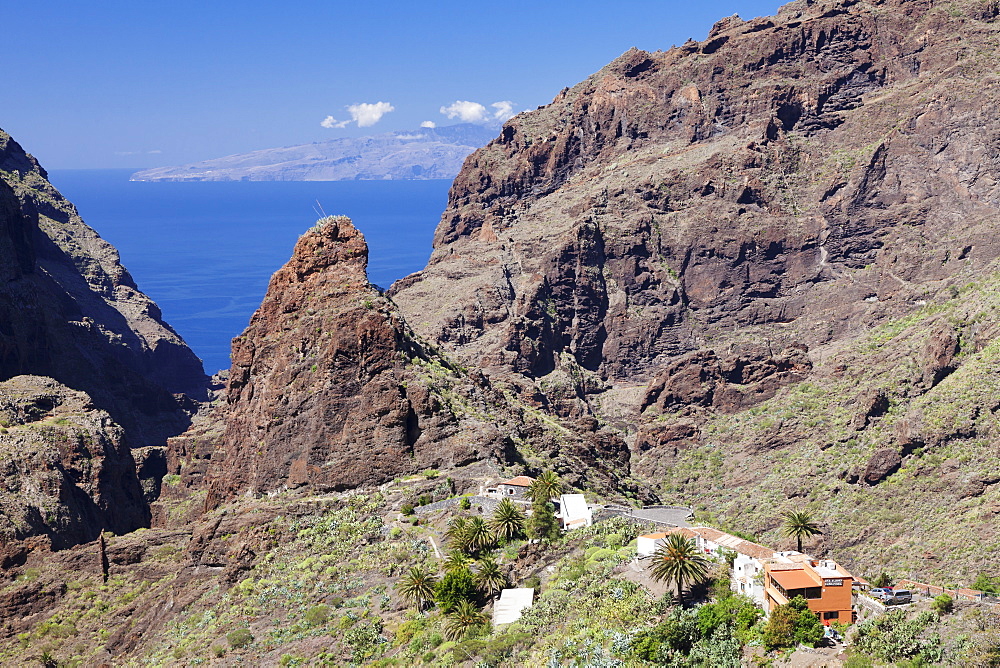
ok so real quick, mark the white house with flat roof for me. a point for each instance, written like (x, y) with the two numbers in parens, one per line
(573, 512)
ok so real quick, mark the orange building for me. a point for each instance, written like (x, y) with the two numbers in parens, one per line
(824, 584)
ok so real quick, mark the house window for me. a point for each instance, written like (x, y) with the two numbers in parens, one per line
(831, 615)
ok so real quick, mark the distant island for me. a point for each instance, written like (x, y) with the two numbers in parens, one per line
(425, 153)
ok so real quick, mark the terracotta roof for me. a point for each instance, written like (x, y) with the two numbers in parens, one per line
(655, 536)
(520, 481)
(729, 541)
(797, 579)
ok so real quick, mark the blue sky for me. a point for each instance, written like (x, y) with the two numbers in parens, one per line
(136, 84)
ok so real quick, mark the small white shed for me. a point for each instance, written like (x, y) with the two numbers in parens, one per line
(511, 604)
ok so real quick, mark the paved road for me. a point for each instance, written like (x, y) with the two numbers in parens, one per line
(673, 516)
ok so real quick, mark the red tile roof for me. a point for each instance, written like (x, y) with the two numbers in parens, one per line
(520, 481)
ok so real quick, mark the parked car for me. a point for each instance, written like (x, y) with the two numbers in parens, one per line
(899, 597)
(881, 593)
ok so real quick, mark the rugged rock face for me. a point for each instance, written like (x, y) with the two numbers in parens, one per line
(767, 259)
(791, 178)
(65, 471)
(70, 311)
(329, 388)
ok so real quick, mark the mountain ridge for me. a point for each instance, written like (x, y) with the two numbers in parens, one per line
(425, 153)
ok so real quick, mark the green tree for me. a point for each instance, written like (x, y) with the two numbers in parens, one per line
(457, 533)
(545, 487)
(987, 583)
(463, 618)
(489, 577)
(679, 561)
(417, 587)
(456, 561)
(478, 535)
(792, 624)
(456, 586)
(507, 521)
(799, 525)
(543, 524)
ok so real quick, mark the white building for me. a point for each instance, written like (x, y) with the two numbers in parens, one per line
(573, 512)
(511, 604)
(747, 575)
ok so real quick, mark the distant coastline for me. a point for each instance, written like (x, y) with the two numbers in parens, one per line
(419, 155)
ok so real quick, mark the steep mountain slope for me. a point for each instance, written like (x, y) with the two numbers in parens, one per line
(687, 234)
(88, 370)
(426, 153)
(70, 311)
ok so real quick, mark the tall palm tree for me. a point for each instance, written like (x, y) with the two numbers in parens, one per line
(546, 486)
(678, 560)
(456, 560)
(488, 576)
(463, 618)
(801, 525)
(507, 521)
(417, 587)
(478, 534)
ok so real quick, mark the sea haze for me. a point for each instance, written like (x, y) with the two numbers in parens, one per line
(205, 251)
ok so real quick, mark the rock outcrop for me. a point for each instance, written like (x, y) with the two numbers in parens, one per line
(65, 471)
(330, 389)
(70, 311)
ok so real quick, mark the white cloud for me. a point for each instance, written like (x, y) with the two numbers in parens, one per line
(473, 112)
(331, 122)
(155, 151)
(365, 114)
(428, 124)
(465, 111)
(504, 110)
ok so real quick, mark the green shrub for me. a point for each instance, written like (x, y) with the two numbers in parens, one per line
(407, 509)
(465, 504)
(239, 638)
(456, 586)
(424, 500)
(317, 615)
(943, 604)
(792, 624)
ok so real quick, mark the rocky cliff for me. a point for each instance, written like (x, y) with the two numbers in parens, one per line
(88, 370)
(330, 390)
(71, 312)
(691, 234)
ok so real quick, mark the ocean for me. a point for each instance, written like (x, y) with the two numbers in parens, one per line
(205, 251)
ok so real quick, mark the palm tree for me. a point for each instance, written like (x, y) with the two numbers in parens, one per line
(463, 618)
(679, 561)
(456, 560)
(488, 577)
(546, 486)
(478, 534)
(456, 534)
(800, 524)
(507, 521)
(417, 587)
